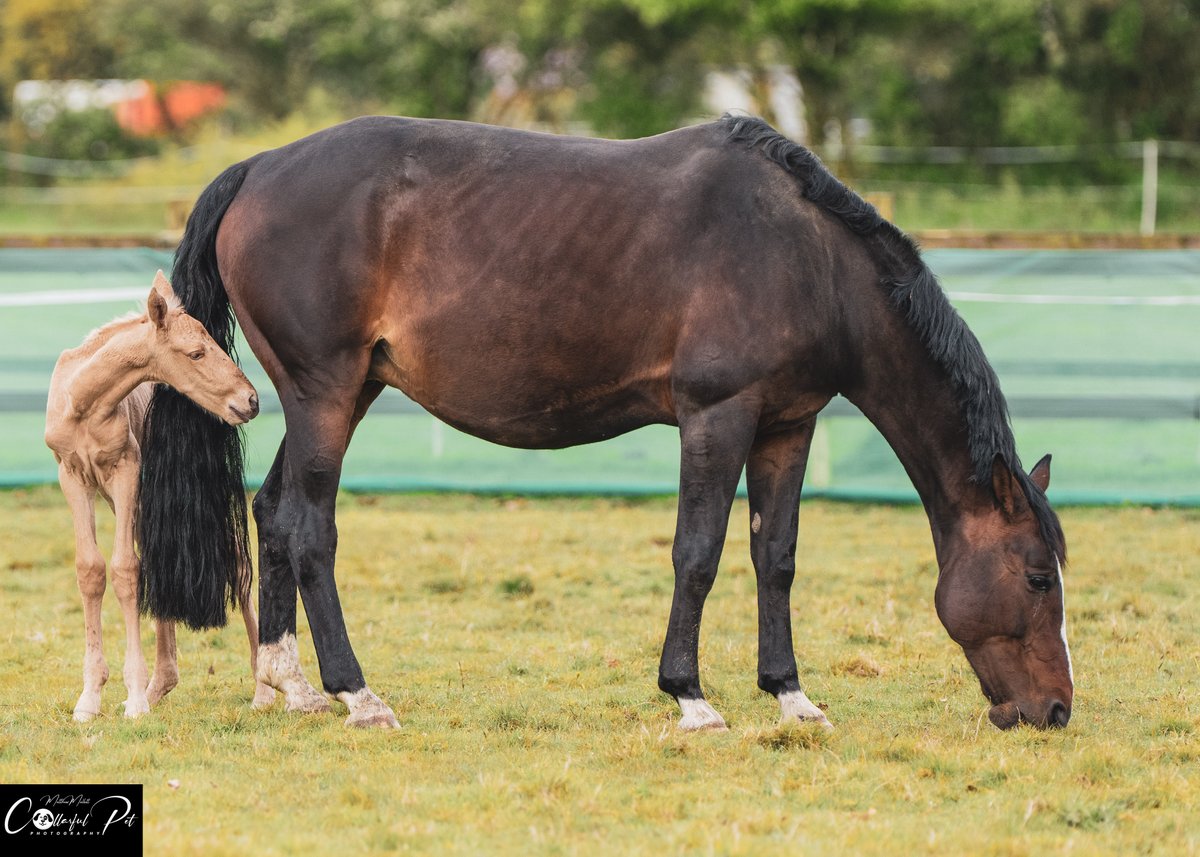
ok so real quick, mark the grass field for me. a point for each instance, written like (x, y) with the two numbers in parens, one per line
(518, 642)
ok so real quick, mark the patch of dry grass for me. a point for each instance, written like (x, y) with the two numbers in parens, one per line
(518, 643)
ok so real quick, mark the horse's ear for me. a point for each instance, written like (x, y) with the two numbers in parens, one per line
(1006, 489)
(1040, 475)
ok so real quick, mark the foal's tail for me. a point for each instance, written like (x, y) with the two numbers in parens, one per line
(191, 516)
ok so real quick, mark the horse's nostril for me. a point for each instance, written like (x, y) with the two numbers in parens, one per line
(253, 405)
(1059, 715)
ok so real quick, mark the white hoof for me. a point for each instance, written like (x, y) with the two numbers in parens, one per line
(699, 716)
(795, 707)
(367, 710)
(87, 708)
(136, 707)
(306, 699)
(264, 696)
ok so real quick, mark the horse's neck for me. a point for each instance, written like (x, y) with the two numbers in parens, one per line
(113, 365)
(911, 401)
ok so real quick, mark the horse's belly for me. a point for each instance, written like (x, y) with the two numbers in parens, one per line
(526, 409)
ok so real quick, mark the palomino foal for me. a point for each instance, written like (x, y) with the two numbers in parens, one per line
(94, 418)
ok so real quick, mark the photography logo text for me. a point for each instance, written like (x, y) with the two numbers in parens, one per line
(72, 813)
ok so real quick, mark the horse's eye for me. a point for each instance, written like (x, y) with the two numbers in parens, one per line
(196, 355)
(1040, 582)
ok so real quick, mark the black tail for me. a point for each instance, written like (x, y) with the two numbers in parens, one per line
(191, 518)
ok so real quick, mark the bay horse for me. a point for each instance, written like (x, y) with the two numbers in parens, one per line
(542, 292)
(95, 414)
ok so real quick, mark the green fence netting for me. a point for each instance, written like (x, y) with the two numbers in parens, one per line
(1098, 353)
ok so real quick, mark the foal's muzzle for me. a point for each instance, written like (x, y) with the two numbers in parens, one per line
(244, 411)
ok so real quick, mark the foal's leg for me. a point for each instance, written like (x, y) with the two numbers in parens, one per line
(774, 475)
(277, 663)
(89, 574)
(125, 567)
(714, 446)
(166, 662)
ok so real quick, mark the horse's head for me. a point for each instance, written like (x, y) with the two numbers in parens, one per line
(187, 358)
(1000, 595)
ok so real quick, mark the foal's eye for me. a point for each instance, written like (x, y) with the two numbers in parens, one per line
(196, 355)
(1040, 582)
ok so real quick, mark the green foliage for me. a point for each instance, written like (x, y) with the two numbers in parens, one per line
(922, 72)
(87, 135)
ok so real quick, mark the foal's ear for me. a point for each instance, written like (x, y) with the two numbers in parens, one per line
(162, 285)
(1040, 475)
(1007, 489)
(156, 305)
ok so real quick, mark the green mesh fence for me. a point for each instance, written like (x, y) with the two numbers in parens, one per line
(1098, 353)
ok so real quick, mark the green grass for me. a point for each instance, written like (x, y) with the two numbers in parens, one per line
(1109, 209)
(518, 642)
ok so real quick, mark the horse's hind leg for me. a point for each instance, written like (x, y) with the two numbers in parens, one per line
(319, 429)
(774, 476)
(714, 444)
(277, 659)
(125, 581)
(89, 574)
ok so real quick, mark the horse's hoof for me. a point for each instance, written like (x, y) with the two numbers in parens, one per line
(264, 696)
(136, 708)
(307, 700)
(795, 707)
(384, 719)
(83, 715)
(699, 716)
(368, 710)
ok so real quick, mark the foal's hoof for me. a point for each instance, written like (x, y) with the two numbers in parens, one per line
(158, 688)
(795, 707)
(136, 708)
(367, 710)
(84, 715)
(699, 716)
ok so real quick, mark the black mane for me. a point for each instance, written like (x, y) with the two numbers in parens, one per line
(915, 292)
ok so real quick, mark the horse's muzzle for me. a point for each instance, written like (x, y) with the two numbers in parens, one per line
(1055, 715)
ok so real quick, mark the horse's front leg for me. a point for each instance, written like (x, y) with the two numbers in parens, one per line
(123, 491)
(89, 574)
(714, 444)
(318, 432)
(774, 476)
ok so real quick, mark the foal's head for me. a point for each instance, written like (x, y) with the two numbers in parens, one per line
(183, 355)
(1000, 595)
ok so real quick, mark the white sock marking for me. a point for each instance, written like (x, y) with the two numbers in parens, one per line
(795, 705)
(698, 714)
